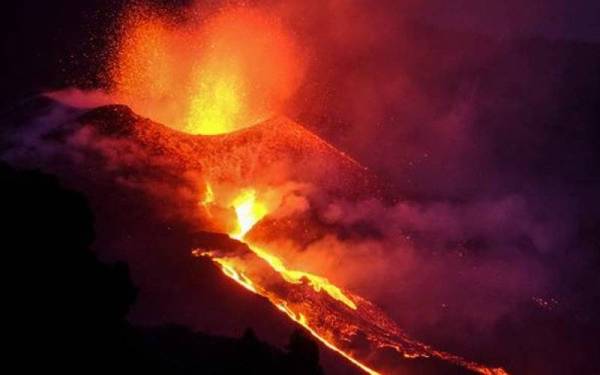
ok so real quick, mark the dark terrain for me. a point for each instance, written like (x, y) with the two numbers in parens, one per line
(68, 310)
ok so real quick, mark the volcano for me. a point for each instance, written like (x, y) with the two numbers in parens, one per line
(232, 184)
(250, 154)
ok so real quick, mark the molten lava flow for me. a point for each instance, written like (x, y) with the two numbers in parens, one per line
(209, 196)
(301, 319)
(249, 212)
(232, 273)
(334, 316)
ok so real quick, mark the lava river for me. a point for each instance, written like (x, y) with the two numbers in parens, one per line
(336, 317)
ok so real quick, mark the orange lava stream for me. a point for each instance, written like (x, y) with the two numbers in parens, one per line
(301, 319)
(359, 314)
(249, 212)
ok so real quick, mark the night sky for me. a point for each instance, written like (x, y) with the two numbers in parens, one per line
(556, 19)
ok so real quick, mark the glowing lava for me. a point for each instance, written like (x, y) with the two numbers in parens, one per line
(332, 315)
(206, 77)
(248, 212)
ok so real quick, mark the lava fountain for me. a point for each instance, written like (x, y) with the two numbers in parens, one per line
(205, 77)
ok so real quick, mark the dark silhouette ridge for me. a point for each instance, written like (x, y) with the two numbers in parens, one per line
(67, 310)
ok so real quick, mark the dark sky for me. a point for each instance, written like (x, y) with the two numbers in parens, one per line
(557, 19)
